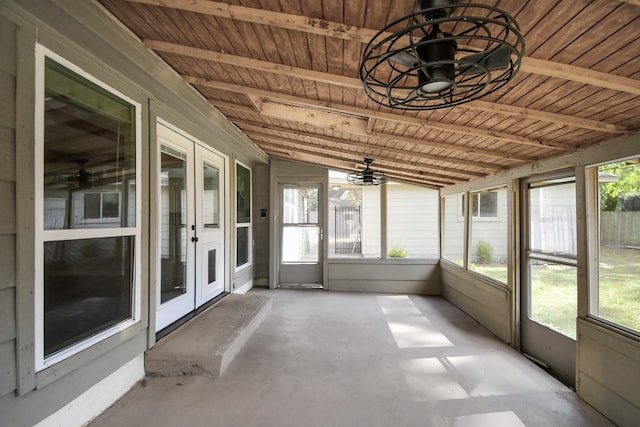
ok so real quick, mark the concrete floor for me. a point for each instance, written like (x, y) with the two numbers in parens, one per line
(350, 359)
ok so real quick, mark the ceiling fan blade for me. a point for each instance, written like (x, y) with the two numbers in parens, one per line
(497, 59)
(404, 58)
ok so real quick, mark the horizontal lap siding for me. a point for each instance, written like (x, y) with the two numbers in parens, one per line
(388, 278)
(8, 210)
(608, 374)
(488, 304)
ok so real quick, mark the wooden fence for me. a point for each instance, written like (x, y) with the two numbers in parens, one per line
(620, 228)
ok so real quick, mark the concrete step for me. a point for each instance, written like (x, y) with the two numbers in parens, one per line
(207, 344)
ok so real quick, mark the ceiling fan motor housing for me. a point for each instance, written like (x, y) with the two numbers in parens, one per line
(439, 52)
(442, 12)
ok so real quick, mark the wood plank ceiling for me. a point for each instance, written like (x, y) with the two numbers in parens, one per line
(286, 73)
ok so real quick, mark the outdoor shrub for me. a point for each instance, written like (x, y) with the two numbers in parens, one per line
(485, 252)
(397, 253)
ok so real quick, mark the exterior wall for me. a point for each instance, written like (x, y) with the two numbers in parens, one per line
(8, 212)
(261, 225)
(371, 222)
(384, 276)
(414, 215)
(81, 32)
(488, 303)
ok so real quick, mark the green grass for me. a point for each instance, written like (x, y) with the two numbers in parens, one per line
(620, 286)
(554, 290)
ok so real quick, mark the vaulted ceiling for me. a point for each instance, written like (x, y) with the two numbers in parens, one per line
(286, 73)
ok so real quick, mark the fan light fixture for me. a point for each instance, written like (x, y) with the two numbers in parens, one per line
(446, 54)
(367, 176)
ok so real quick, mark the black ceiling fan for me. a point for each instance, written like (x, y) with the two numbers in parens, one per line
(448, 53)
(367, 176)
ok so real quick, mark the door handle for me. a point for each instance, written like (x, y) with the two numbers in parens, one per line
(194, 239)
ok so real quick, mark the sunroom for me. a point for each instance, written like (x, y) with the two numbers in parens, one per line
(159, 156)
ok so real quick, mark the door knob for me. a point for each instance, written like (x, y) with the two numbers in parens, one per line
(194, 239)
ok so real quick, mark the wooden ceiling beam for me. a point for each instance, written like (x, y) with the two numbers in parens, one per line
(332, 154)
(253, 64)
(544, 116)
(353, 83)
(378, 115)
(340, 166)
(580, 75)
(364, 35)
(454, 160)
(314, 117)
(379, 154)
(286, 21)
(322, 138)
(386, 138)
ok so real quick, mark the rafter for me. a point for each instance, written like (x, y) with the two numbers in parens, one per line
(398, 118)
(327, 153)
(342, 166)
(253, 64)
(244, 124)
(363, 35)
(380, 158)
(353, 83)
(281, 114)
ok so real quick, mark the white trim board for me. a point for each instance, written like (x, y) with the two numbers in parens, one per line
(98, 398)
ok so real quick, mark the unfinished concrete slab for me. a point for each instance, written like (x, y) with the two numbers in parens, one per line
(207, 344)
(349, 360)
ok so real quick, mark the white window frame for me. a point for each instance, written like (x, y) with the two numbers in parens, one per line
(593, 219)
(101, 218)
(477, 217)
(42, 235)
(244, 224)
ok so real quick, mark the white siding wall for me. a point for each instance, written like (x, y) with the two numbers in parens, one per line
(453, 244)
(413, 220)
(371, 232)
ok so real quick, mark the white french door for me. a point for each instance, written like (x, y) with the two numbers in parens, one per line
(209, 226)
(191, 258)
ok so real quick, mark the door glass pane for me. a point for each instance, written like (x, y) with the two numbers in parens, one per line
(300, 206)
(87, 288)
(553, 279)
(173, 227)
(211, 276)
(242, 247)
(89, 150)
(243, 194)
(300, 244)
(554, 296)
(211, 196)
(553, 219)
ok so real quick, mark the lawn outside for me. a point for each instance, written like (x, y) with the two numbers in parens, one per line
(554, 290)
